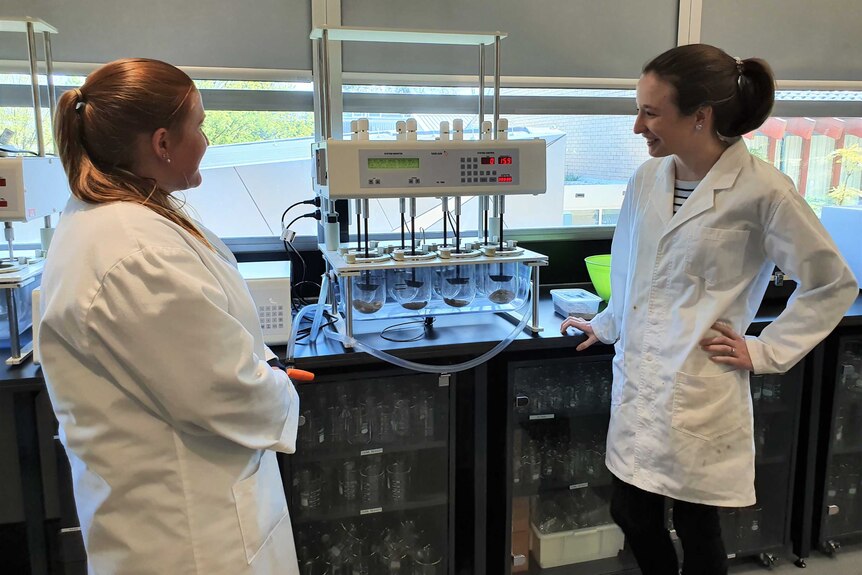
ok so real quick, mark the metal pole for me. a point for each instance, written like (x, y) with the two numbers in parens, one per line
(317, 79)
(496, 83)
(481, 88)
(49, 68)
(34, 80)
(348, 306)
(535, 298)
(328, 117)
(12, 311)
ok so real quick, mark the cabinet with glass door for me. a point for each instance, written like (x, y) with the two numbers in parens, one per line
(369, 483)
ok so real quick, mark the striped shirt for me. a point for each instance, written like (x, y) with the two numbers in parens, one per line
(681, 191)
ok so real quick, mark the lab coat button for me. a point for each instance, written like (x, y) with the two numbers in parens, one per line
(648, 357)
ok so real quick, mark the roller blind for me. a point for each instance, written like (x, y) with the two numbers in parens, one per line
(563, 38)
(801, 39)
(216, 33)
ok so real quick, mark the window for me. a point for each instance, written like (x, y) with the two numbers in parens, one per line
(261, 135)
(258, 161)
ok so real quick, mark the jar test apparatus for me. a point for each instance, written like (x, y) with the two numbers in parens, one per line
(30, 188)
(374, 282)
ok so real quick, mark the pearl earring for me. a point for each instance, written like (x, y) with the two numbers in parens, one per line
(696, 127)
(166, 158)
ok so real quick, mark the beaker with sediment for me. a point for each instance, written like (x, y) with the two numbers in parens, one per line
(369, 291)
(411, 287)
(458, 285)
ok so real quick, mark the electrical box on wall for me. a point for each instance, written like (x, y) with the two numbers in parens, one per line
(31, 188)
(269, 284)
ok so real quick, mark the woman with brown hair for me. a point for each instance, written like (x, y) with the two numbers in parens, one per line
(152, 349)
(701, 229)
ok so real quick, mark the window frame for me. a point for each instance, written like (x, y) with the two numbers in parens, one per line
(15, 95)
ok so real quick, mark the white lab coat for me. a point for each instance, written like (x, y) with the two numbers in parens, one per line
(156, 367)
(681, 425)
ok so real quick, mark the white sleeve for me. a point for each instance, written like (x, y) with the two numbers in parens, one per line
(797, 242)
(607, 324)
(161, 328)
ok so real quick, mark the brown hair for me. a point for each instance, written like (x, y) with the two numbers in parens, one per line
(97, 128)
(740, 92)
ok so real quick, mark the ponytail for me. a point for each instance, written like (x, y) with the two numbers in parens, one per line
(755, 97)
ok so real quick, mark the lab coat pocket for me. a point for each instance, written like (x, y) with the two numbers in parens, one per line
(716, 255)
(707, 406)
(260, 504)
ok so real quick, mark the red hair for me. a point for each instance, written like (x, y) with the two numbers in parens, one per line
(97, 129)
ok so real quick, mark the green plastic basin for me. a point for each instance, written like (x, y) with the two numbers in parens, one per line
(599, 268)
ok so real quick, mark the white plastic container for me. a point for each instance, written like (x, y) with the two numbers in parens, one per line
(567, 547)
(577, 302)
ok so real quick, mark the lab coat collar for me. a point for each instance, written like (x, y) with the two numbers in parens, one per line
(720, 177)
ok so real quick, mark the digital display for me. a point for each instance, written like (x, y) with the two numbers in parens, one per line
(505, 178)
(505, 160)
(393, 163)
(488, 160)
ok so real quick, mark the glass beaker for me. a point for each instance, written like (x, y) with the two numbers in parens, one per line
(398, 480)
(411, 287)
(361, 563)
(549, 460)
(458, 287)
(369, 291)
(427, 561)
(393, 560)
(310, 488)
(756, 383)
(358, 430)
(423, 409)
(567, 464)
(348, 480)
(437, 275)
(312, 565)
(531, 465)
(336, 424)
(771, 390)
(382, 430)
(371, 478)
(311, 432)
(501, 282)
(401, 416)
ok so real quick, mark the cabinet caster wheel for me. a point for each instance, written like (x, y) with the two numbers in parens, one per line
(767, 560)
(831, 547)
(800, 563)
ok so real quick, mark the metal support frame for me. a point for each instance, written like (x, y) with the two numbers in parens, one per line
(34, 81)
(515, 317)
(496, 83)
(481, 87)
(323, 83)
(18, 353)
(49, 69)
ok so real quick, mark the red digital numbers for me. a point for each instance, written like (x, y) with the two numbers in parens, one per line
(505, 160)
(504, 178)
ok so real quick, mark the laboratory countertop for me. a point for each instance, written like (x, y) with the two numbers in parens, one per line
(454, 338)
(457, 338)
